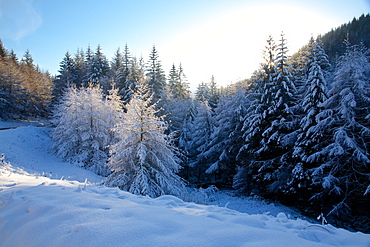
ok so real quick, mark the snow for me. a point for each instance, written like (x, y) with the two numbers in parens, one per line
(47, 202)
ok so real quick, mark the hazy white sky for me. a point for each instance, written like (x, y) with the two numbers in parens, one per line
(209, 37)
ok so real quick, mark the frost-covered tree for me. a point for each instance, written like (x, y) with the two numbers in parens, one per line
(83, 127)
(144, 160)
(344, 169)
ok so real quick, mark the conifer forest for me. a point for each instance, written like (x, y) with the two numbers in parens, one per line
(296, 132)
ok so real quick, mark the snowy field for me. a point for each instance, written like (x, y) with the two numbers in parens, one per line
(47, 202)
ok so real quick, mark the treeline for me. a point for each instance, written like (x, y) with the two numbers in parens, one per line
(25, 90)
(357, 31)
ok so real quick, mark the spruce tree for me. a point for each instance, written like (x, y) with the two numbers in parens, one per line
(144, 160)
(313, 130)
(156, 78)
(344, 169)
(66, 78)
(202, 128)
(256, 120)
(214, 95)
(226, 138)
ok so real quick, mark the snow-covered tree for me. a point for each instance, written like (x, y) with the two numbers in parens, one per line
(83, 127)
(344, 169)
(256, 119)
(202, 92)
(313, 130)
(98, 68)
(272, 128)
(144, 160)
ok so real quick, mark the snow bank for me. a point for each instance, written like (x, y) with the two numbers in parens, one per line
(47, 203)
(29, 148)
(38, 211)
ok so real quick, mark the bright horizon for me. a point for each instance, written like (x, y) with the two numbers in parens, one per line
(208, 37)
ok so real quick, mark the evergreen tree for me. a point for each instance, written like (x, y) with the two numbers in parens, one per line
(202, 129)
(202, 92)
(13, 98)
(214, 95)
(344, 169)
(80, 68)
(116, 69)
(134, 76)
(226, 138)
(276, 121)
(313, 130)
(256, 119)
(156, 78)
(99, 69)
(177, 85)
(186, 137)
(144, 159)
(66, 78)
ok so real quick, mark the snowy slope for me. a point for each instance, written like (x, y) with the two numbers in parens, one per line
(58, 211)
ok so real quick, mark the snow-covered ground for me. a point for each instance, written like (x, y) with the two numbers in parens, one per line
(47, 202)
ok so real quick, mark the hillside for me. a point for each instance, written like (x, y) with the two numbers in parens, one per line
(44, 201)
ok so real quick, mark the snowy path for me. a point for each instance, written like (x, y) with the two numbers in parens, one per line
(52, 211)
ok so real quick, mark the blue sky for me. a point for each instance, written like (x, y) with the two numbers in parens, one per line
(223, 38)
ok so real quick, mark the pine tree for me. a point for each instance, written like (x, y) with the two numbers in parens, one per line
(13, 97)
(174, 83)
(214, 95)
(202, 92)
(66, 78)
(256, 119)
(276, 121)
(116, 69)
(226, 138)
(156, 78)
(177, 85)
(344, 170)
(184, 91)
(144, 160)
(313, 130)
(80, 67)
(98, 70)
(202, 128)
(186, 137)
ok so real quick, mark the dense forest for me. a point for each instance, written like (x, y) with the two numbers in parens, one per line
(297, 131)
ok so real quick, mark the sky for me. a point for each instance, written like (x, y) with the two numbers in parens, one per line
(208, 37)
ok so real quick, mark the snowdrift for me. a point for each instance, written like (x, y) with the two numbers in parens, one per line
(51, 211)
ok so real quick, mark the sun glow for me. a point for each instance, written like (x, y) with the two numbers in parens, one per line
(234, 41)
